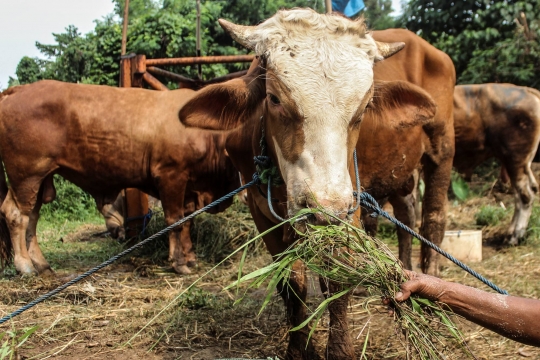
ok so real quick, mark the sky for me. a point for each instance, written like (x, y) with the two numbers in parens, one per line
(23, 22)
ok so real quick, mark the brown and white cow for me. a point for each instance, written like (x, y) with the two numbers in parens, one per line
(308, 92)
(104, 139)
(501, 121)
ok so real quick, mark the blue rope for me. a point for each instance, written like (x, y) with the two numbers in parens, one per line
(125, 252)
(269, 197)
(369, 202)
(145, 218)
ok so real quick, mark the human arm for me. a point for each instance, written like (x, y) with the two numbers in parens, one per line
(513, 317)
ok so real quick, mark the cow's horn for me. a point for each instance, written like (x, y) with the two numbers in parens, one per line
(240, 33)
(388, 49)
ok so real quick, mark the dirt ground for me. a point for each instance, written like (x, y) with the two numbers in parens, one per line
(111, 315)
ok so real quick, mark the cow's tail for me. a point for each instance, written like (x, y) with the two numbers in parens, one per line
(6, 248)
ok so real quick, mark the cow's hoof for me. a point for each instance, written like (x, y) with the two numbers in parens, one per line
(47, 273)
(297, 349)
(511, 241)
(25, 268)
(181, 269)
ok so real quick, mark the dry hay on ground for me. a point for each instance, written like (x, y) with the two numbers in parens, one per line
(92, 320)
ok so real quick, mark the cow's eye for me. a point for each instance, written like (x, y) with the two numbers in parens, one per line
(274, 99)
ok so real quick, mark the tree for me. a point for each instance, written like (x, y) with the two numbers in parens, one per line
(489, 41)
(377, 14)
(28, 71)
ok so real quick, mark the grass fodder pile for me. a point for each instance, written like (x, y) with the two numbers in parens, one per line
(346, 255)
(216, 236)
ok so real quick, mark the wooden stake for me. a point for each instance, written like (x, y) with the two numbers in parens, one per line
(328, 6)
(124, 27)
(198, 36)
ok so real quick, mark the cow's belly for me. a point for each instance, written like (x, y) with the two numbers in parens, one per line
(387, 159)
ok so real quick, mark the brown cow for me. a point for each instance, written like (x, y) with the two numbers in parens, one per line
(389, 156)
(501, 121)
(308, 94)
(104, 139)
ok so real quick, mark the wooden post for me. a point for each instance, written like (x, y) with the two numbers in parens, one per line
(328, 6)
(124, 27)
(198, 36)
(132, 70)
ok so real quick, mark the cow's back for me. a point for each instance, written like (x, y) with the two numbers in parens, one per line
(494, 120)
(92, 135)
(390, 155)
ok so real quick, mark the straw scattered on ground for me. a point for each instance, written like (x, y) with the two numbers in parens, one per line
(93, 319)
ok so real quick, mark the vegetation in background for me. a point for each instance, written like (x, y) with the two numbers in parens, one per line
(490, 215)
(488, 40)
(459, 186)
(71, 203)
(533, 228)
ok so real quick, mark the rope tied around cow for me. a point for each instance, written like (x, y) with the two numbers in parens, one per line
(266, 170)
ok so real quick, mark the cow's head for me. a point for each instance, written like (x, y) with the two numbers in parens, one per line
(314, 81)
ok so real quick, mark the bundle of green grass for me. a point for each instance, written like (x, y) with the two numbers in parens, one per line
(347, 255)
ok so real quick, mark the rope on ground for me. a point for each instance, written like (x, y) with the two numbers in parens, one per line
(369, 202)
(125, 252)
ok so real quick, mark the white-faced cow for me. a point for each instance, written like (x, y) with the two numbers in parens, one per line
(308, 91)
(104, 139)
(501, 121)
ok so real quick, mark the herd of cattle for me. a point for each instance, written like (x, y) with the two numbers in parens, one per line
(321, 86)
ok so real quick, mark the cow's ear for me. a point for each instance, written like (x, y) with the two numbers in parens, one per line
(401, 104)
(224, 106)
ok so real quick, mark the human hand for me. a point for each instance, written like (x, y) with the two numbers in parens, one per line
(426, 286)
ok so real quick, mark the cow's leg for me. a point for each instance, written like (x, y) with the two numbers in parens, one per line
(524, 191)
(176, 253)
(434, 208)
(40, 264)
(404, 211)
(187, 245)
(17, 221)
(339, 346)
(294, 292)
(369, 223)
(172, 195)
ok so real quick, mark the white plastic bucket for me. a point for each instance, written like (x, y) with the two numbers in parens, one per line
(464, 245)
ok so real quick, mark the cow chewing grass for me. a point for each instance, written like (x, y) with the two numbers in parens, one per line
(344, 254)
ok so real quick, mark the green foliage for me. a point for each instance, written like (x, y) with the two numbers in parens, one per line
(14, 340)
(533, 228)
(197, 298)
(489, 41)
(489, 215)
(377, 14)
(460, 188)
(71, 203)
(28, 70)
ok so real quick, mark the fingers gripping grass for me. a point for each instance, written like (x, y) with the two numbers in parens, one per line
(346, 255)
